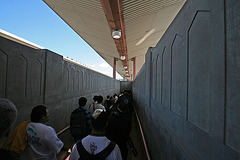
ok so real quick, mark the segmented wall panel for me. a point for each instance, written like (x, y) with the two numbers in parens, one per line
(195, 69)
(29, 77)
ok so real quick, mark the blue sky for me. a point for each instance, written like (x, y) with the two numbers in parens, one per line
(34, 21)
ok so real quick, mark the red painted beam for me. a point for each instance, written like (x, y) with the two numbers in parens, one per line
(134, 67)
(114, 67)
(114, 14)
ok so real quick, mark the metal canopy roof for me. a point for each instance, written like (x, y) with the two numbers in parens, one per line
(145, 21)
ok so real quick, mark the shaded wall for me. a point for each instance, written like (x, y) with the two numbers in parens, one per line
(29, 77)
(187, 92)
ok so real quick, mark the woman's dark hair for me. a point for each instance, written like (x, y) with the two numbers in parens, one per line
(38, 112)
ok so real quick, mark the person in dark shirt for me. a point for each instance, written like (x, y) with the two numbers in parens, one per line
(108, 105)
(76, 132)
(119, 125)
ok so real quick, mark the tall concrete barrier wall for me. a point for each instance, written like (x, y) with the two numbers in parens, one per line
(29, 77)
(187, 93)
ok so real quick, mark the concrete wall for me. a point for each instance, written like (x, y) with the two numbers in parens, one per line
(29, 77)
(187, 92)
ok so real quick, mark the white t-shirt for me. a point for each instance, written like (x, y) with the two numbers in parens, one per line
(43, 142)
(95, 106)
(95, 144)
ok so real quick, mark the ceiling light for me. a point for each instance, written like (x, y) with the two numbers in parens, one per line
(123, 57)
(116, 33)
(126, 71)
(125, 67)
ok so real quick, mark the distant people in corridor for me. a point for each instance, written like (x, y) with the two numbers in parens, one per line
(115, 98)
(8, 114)
(43, 142)
(91, 108)
(95, 144)
(80, 121)
(108, 104)
(119, 124)
(99, 103)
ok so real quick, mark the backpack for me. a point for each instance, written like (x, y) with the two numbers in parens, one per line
(84, 155)
(78, 127)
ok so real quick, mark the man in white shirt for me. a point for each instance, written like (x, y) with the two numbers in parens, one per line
(97, 105)
(96, 142)
(43, 142)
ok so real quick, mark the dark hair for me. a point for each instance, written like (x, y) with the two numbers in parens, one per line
(38, 112)
(100, 122)
(95, 98)
(100, 99)
(108, 96)
(82, 101)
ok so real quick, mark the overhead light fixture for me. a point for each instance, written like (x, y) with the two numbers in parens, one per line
(123, 57)
(116, 33)
(125, 67)
(126, 71)
(145, 37)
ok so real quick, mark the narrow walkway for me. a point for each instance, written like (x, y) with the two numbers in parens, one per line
(135, 137)
(137, 141)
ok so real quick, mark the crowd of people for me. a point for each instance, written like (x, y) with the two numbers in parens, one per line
(100, 131)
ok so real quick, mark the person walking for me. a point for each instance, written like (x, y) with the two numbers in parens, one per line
(91, 107)
(108, 105)
(99, 103)
(96, 145)
(43, 142)
(80, 121)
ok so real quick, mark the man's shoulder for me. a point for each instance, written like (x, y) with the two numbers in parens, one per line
(77, 109)
(100, 106)
(87, 114)
(45, 128)
(81, 109)
(85, 110)
(42, 127)
(36, 124)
